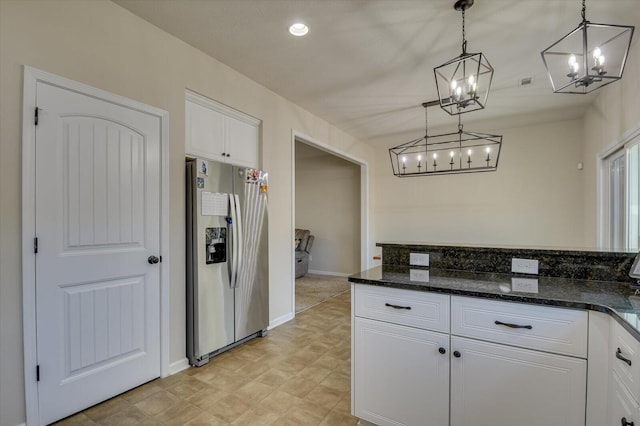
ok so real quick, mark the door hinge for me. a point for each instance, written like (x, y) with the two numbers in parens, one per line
(35, 245)
(37, 373)
(35, 118)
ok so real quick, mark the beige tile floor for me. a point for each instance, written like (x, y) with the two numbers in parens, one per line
(297, 375)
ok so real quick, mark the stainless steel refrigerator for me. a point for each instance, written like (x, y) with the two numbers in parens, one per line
(227, 257)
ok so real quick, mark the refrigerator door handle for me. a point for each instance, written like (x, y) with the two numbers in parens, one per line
(239, 239)
(234, 242)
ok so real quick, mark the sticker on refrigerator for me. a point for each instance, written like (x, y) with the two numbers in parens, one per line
(200, 183)
(203, 167)
(214, 204)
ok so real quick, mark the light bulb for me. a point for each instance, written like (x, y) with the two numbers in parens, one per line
(435, 155)
(572, 60)
(419, 157)
(601, 60)
(597, 53)
(469, 153)
(454, 84)
(488, 150)
(451, 154)
(471, 80)
(458, 90)
(404, 159)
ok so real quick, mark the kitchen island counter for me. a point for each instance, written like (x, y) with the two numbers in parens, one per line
(614, 298)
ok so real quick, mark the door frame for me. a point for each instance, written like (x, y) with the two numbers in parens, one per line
(602, 189)
(31, 77)
(364, 205)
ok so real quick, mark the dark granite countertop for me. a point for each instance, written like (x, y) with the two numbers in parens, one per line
(614, 298)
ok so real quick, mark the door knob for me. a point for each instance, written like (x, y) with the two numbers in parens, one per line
(153, 260)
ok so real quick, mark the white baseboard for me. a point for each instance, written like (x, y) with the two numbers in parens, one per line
(281, 320)
(178, 366)
(335, 274)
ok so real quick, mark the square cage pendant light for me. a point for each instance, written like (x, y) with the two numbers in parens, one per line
(448, 153)
(589, 57)
(463, 82)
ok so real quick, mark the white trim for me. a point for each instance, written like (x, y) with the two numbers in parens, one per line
(31, 77)
(280, 320)
(335, 274)
(178, 366)
(602, 191)
(364, 200)
(209, 103)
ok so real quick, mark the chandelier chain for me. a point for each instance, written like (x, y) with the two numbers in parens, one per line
(426, 122)
(464, 35)
(584, 10)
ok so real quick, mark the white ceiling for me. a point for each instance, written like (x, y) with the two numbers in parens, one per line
(367, 65)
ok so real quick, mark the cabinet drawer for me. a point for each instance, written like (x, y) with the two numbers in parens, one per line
(429, 311)
(557, 330)
(629, 349)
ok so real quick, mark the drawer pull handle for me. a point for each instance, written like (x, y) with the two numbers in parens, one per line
(621, 358)
(408, 308)
(506, 324)
(624, 422)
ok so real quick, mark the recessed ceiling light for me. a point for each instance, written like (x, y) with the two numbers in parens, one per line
(298, 29)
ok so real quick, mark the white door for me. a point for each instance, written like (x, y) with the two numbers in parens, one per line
(401, 375)
(97, 224)
(500, 385)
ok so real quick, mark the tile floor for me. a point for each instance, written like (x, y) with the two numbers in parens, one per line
(297, 375)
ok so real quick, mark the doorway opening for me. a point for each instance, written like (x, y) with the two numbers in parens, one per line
(330, 233)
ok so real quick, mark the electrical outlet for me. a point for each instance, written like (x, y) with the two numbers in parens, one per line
(524, 285)
(421, 275)
(524, 266)
(419, 259)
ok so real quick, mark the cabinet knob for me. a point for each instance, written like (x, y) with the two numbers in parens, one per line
(228, 155)
(224, 154)
(457, 354)
(442, 351)
(624, 422)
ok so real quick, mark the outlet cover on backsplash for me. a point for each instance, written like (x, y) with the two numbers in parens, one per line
(419, 259)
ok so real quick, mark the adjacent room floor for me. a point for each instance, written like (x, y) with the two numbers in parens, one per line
(297, 375)
(313, 289)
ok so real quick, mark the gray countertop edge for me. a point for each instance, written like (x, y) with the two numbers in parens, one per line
(505, 297)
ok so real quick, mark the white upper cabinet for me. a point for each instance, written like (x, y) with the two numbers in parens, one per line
(220, 133)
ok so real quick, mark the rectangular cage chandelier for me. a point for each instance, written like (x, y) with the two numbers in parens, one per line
(447, 153)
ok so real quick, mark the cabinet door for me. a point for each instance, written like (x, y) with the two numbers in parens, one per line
(242, 143)
(205, 132)
(498, 385)
(400, 376)
(622, 410)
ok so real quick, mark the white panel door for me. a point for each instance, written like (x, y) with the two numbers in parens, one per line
(499, 385)
(97, 223)
(401, 375)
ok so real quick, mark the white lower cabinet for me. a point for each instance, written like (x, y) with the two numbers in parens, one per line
(623, 409)
(498, 385)
(401, 374)
(404, 374)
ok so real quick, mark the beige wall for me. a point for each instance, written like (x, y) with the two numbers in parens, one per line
(328, 204)
(533, 199)
(615, 112)
(103, 45)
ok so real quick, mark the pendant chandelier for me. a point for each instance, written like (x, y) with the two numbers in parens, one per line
(448, 153)
(463, 83)
(589, 57)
